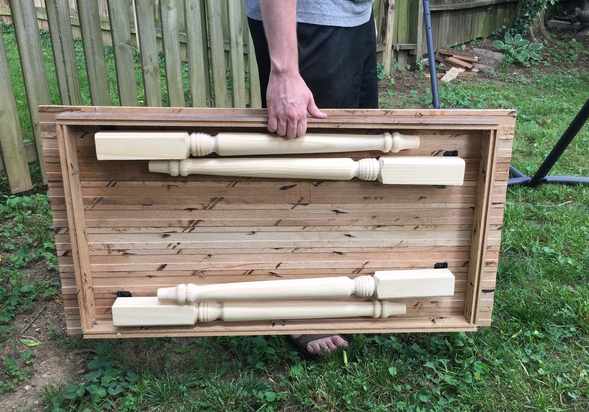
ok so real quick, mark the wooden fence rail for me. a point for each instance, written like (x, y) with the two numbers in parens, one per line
(176, 53)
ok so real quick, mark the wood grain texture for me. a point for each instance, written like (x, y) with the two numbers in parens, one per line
(94, 52)
(236, 27)
(148, 48)
(119, 12)
(217, 52)
(169, 15)
(33, 67)
(197, 50)
(64, 56)
(13, 149)
(145, 231)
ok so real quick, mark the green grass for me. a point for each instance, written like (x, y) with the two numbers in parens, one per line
(534, 357)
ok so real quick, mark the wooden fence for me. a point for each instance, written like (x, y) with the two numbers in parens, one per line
(205, 46)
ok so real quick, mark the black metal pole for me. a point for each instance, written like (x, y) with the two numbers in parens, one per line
(561, 145)
(430, 54)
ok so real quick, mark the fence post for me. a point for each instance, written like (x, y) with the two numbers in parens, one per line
(11, 142)
(24, 17)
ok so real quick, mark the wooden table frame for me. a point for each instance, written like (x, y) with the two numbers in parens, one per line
(95, 205)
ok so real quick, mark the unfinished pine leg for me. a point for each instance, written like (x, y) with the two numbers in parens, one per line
(114, 145)
(314, 288)
(148, 311)
(420, 170)
(392, 284)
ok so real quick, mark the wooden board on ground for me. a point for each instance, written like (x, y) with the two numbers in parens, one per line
(120, 228)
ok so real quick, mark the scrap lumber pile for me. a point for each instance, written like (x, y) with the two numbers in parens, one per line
(456, 63)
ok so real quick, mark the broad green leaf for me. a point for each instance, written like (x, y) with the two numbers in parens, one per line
(116, 390)
(523, 43)
(498, 44)
(30, 342)
(535, 46)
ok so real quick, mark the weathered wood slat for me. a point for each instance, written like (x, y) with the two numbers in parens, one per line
(188, 221)
(77, 225)
(105, 328)
(198, 57)
(66, 69)
(237, 58)
(119, 11)
(33, 67)
(89, 18)
(293, 239)
(169, 15)
(11, 142)
(217, 47)
(402, 29)
(254, 76)
(146, 34)
(389, 35)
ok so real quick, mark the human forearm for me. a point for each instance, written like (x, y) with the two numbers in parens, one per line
(280, 29)
(288, 97)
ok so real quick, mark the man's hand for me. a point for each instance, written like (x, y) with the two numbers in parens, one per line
(289, 100)
(288, 97)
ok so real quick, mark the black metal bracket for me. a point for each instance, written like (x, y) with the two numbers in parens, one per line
(124, 294)
(519, 178)
(441, 265)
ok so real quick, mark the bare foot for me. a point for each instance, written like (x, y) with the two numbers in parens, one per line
(324, 344)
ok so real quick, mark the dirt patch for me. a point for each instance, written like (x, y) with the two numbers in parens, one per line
(52, 363)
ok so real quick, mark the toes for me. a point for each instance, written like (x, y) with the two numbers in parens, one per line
(326, 345)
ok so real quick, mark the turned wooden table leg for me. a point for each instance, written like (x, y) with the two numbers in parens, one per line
(115, 145)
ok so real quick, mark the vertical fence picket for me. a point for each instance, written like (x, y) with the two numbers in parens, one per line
(255, 94)
(169, 13)
(118, 11)
(11, 142)
(219, 67)
(64, 53)
(147, 39)
(89, 16)
(197, 50)
(402, 23)
(31, 57)
(388, 26)
(236, 49)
